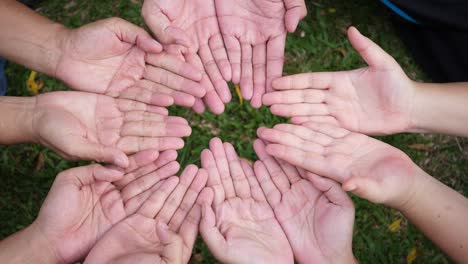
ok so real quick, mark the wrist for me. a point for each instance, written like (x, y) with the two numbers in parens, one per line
(58, 38)
(16, 124)
(42, 246)
(418, 110)
(415, 190)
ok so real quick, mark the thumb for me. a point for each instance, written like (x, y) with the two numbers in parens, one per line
(86, 175)
(133, 34)
(296, 10)
(372, 54)
(100, 153)
(172, 243)
(365, 188)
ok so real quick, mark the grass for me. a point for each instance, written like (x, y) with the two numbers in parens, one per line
(320, 44)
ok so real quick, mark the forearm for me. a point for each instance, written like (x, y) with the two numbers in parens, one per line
(16, 119)
(28, 38)
(441, 108)
(440, 213)
(26, 246)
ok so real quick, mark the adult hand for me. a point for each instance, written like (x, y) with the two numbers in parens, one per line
(238, 225)
(190, 28)
(108, 57)
(370, 168)
(83, 204)
(97, 127)
(374, 100)
(255, 36)
(163, 230)
(316, 216)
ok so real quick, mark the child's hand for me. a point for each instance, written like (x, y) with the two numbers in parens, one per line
(371, 169)
(373, 100)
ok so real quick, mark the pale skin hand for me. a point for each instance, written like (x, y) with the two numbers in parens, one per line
(83, 204)
(374, 100)
(191, 28)
(89, 126)
(316, 216)
(254, 33)
(163, 230)
(116, 58)
(238, 224)
(370, 168)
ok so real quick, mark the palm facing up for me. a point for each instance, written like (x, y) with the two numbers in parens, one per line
(241, 226)
(97, 127)
(372, 169)
(372, 100)
(254, 33)
(317, 221)
(109, 57)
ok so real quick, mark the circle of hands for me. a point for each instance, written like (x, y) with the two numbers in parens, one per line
(290, 204)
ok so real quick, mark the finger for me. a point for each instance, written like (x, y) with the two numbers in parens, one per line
(174, 81)
(246, 81)
(239, 180)
(175, 199)
(305, 133)
(298, 120)
(291, 172)
(214, 179)
(374, 55)
(275, 136)
(286, 110)
(212, 70)
(146, 96)
(175, 65)
(86, 150)
(189, 229)
(157, 199)
(155, 129)
(259, 70)
(296, 10)
(234, 52)
(182, 214)
(90, 174)
(220, 56)
(316, 80)
(275, 59)
(332, 191)
(135, 172)
(276, 173)
(180, 98)
(172, 243)
(134, 204)
(133, 34)
(255, 189)
(294, 97)
(129, 105)
(137, 116)
(216, 147)
(272, 194)
(132, 144)
(328, 130)
(145, 182)
(199, 106)
(141, 159)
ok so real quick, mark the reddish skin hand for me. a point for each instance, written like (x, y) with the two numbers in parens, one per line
(376, 100)
(88, 126)
(318, 220)
(108, 57)
(83, 204)
(255, 44)
(190, 28)
(163, 230)
(370, 168)
(240, 225)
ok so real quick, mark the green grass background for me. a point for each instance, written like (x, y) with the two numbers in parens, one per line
(319, 44)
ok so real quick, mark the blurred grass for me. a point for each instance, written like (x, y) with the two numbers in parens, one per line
(319, 44)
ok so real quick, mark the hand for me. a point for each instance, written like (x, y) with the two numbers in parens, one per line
(108, 57)
(370, 168)
(191, 27)
(316, 216)
(296, 10)
(255, 36)
(241, 226)
(97, 127)
(374, 100)
(162, 231)
(83, 204)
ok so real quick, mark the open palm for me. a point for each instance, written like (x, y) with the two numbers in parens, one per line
(240, 226)
(97, 127)
(373, 100)
(116, 58)
(317, 222)
(255, 34)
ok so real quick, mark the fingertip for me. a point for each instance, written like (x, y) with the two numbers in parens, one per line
(349, 186)
(121, 160)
